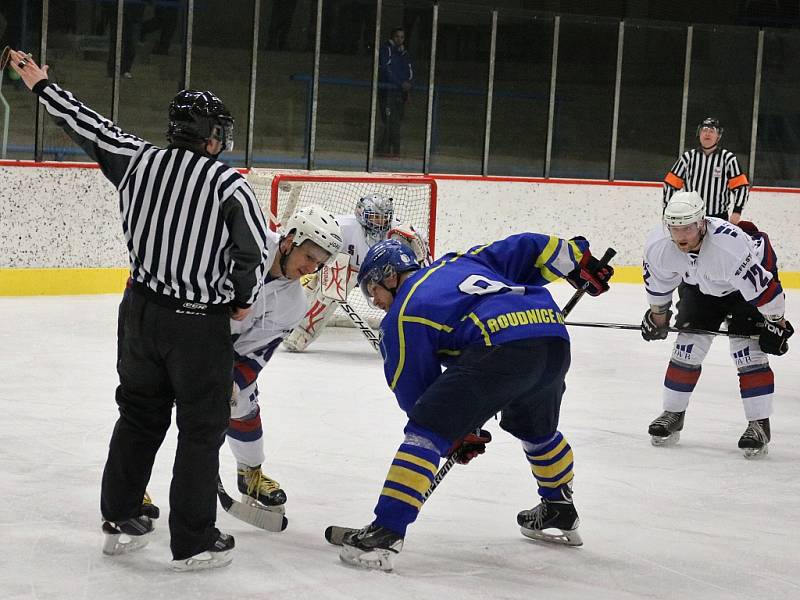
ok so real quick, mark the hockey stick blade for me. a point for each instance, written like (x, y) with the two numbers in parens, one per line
(335, 534)
(252, 515)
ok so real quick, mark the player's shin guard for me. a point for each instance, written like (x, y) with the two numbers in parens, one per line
(756, 384)
(411, 474)
(555, 518)
(551, 463)
(246, 438)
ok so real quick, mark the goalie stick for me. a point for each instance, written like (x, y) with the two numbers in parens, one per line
(334, 534)
(252, 515)
(361, 324)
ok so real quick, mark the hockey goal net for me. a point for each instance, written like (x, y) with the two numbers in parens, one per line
(414, 203)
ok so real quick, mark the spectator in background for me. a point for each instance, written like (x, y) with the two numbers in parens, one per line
(711, 171)
(395, 76)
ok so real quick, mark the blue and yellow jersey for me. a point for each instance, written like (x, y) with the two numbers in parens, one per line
(489, 295)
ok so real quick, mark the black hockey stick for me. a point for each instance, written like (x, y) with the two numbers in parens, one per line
(335, 533)
(252, 515)
(670, 329)
(609, 254)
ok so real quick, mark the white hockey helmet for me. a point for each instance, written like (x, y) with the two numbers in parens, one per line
(684, 208)
(315, 224)
(374, 212)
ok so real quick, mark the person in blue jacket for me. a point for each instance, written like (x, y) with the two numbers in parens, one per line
(395, 80)
(486, 317)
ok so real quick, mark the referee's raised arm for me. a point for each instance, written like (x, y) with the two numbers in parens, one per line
(197, 243)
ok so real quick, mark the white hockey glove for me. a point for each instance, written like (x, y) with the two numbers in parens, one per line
(414, 240)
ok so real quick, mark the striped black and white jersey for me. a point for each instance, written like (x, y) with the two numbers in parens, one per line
(716, 177)
(193, 226)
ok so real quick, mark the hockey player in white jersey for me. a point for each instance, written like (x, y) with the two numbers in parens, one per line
(311, 237)
(723, 272)
(372, 221)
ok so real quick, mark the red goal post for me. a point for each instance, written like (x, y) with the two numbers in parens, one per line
(283, 193)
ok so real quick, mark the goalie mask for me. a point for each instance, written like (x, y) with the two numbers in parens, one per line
(383, 260)
(196, 116)
(315, 224)
(375, 212)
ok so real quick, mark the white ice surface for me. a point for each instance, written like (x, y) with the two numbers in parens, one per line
(697, 521)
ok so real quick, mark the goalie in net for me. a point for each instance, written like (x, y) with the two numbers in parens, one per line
(372, 221)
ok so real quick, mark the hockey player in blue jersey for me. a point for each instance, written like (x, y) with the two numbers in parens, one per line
(486, 317)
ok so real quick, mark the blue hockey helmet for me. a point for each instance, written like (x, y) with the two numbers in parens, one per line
(383, 260)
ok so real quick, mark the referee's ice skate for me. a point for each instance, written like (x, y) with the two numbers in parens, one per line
(126, 536)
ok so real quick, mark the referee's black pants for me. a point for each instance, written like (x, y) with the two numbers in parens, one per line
(166, 357)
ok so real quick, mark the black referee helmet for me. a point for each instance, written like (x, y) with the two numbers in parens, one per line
(196, 116)
(709, 122)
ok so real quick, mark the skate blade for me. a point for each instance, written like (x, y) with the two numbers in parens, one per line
(203, 561)
(566, 537)
(756, 453)
(276, 508)
(116, 544)
(378, 559)
(667, 441)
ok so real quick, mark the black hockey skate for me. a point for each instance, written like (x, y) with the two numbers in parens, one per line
(126, 536)
(259, 490)
(220, 554)
(371, 547)
(542, 521)
(755, 439)
(665, 430)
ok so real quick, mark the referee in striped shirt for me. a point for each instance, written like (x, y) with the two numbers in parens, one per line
(711, 171)
(196, 239)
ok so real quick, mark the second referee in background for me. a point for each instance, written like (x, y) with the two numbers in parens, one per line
(711, 171)
(196, 239)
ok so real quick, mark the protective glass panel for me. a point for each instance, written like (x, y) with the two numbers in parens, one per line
(345, 85)
(401, 114)
(778, 142)
(222, 44)
(282, 117)
(17, 105)
(584, 102)
(81, 54)
(651, 93)
(523, 57)
(459, 106)
(721, 85)
(151, 64)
